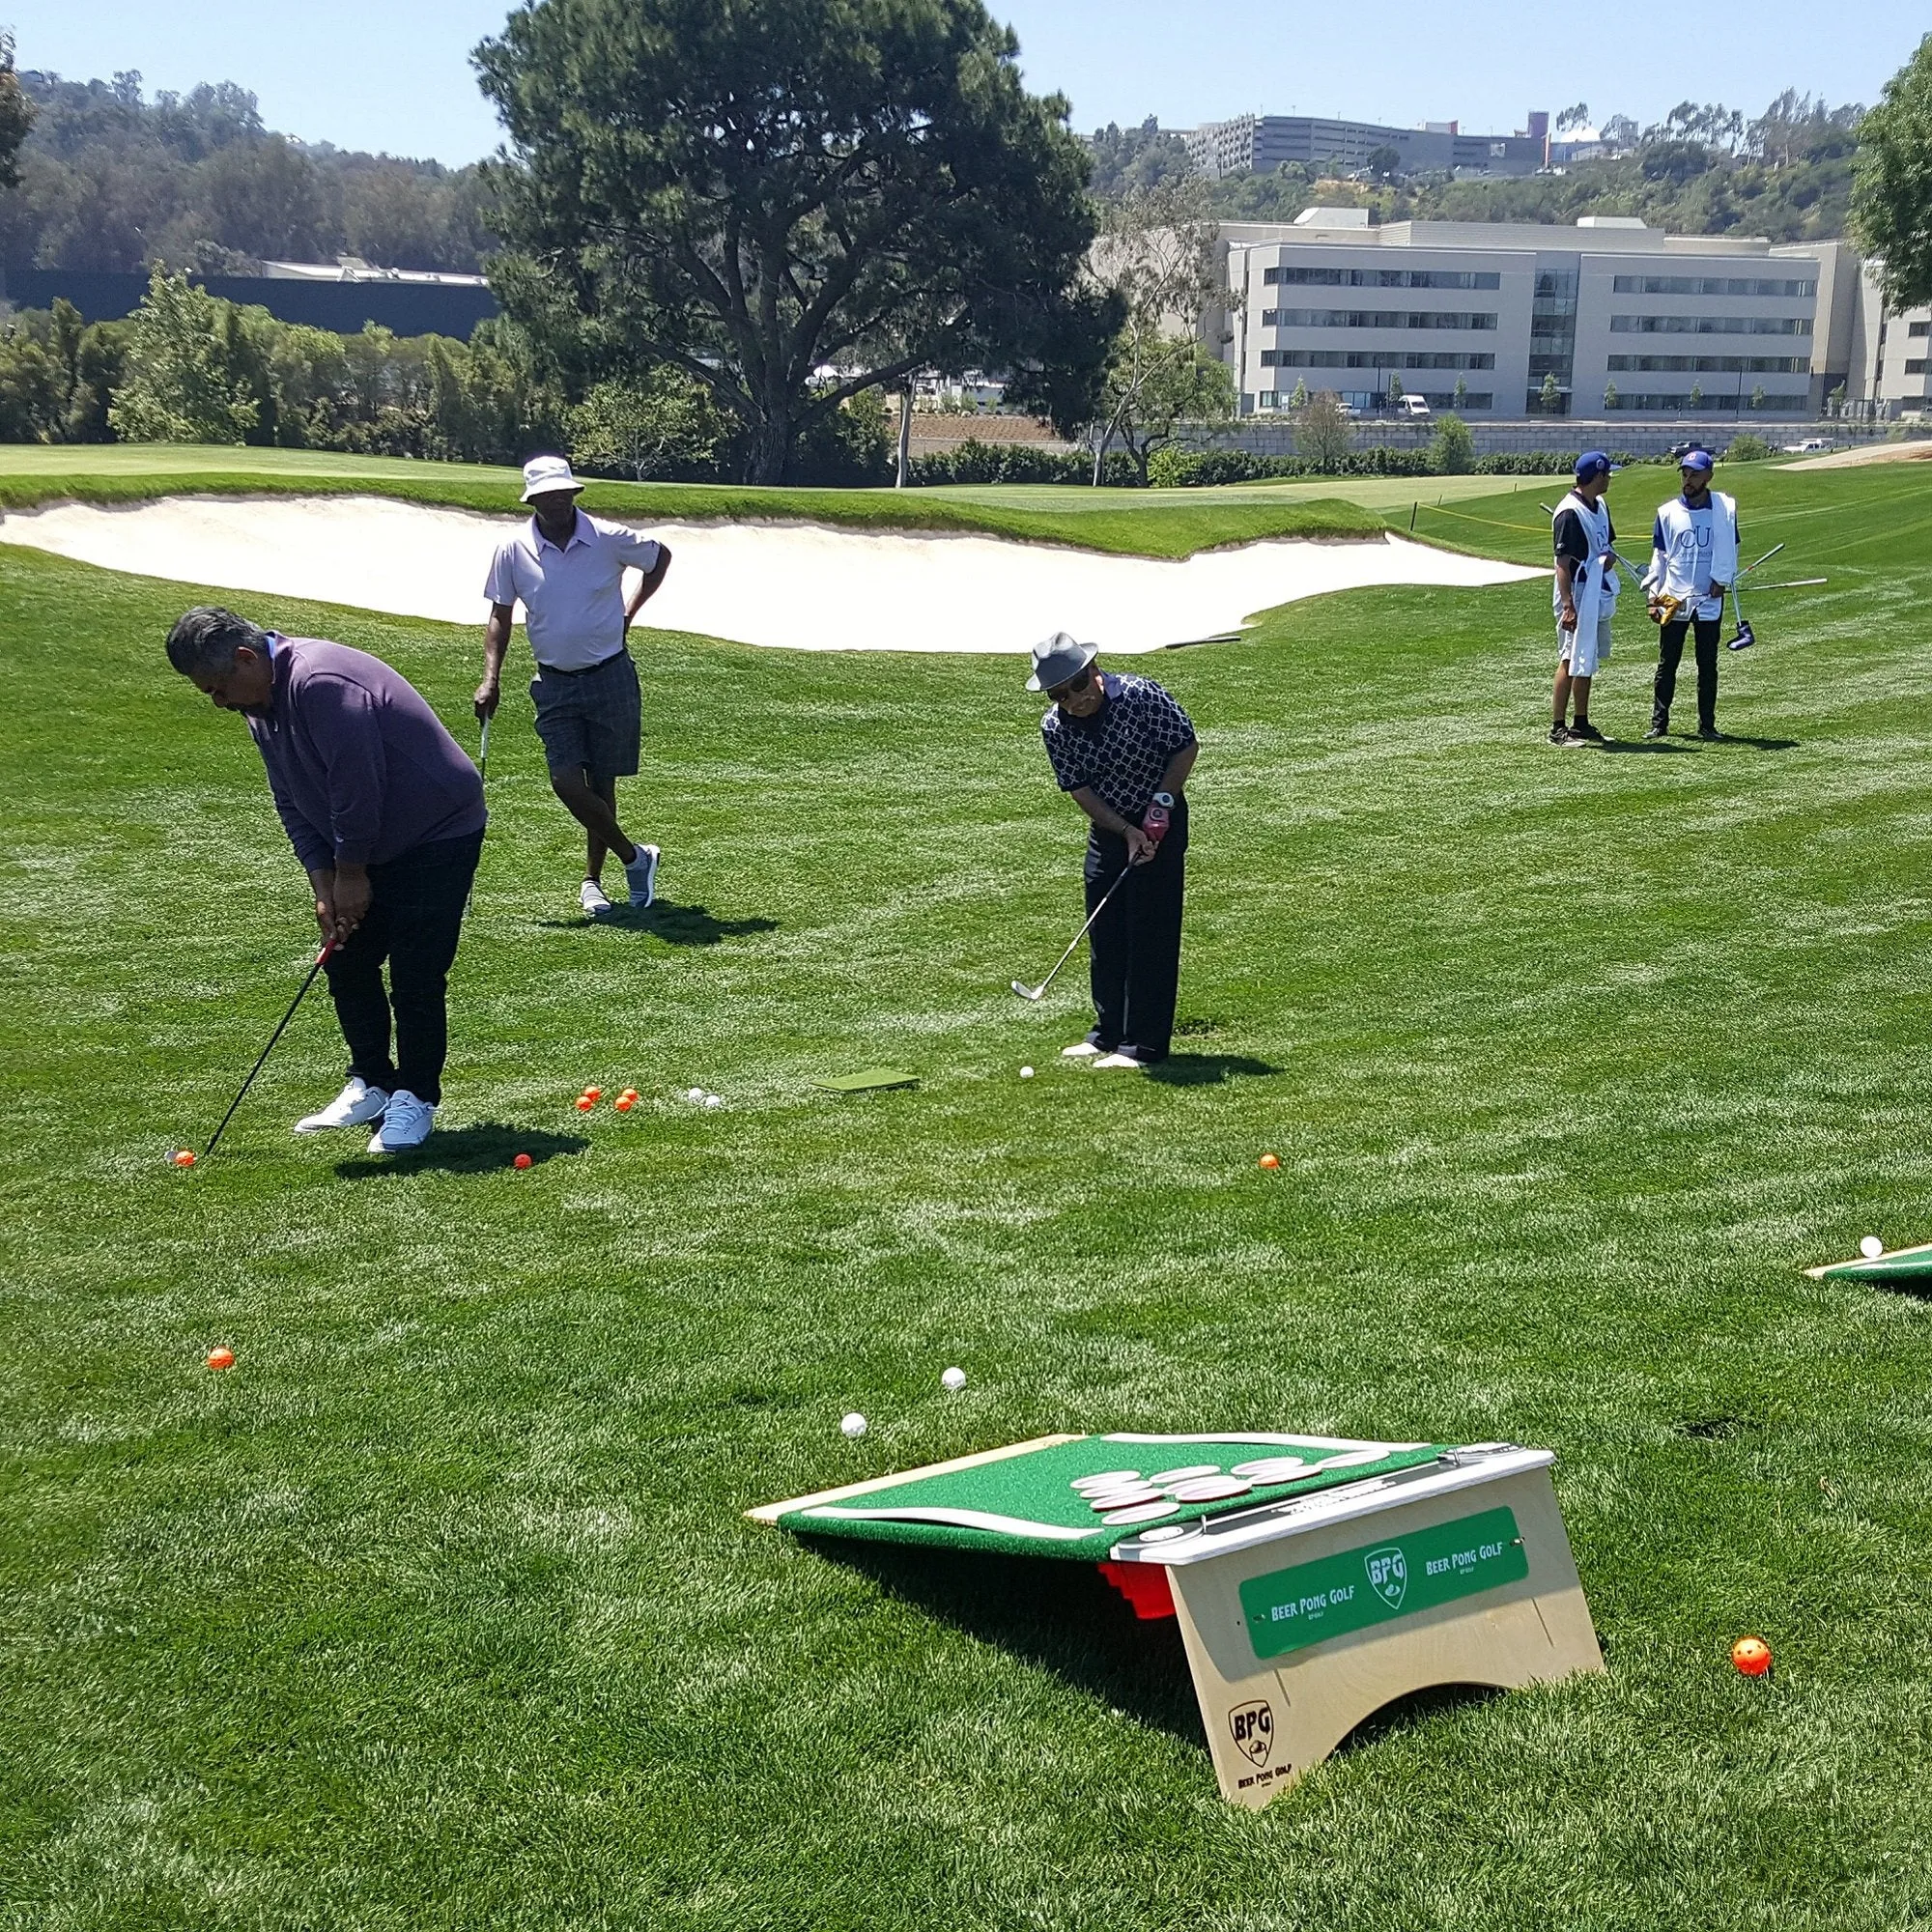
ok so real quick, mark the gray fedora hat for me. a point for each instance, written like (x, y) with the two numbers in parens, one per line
(1057, 660)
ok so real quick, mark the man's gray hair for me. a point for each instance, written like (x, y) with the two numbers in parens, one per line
(205, 639)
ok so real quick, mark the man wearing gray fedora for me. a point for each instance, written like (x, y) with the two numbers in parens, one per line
(1124, 748)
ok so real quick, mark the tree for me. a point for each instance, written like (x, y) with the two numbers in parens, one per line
(660, 425)
(1620, 132)
(16, 114)
(1322, 432)
(1460, 398)
(179, 387)
(1452, 449)
(1757, 396)
(1610, 396)
(1891, 183)
(758, 193)
(1383, 163)
(1550, 399)
(1299, 401)
(1153, 264)
(1696, 394)
(1396, 392)
(1143, 156)
(1577, 116)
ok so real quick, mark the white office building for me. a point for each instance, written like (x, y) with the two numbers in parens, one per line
(1889, 357)
(1494, 319)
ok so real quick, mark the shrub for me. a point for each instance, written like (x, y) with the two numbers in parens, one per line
(1747, 448)
(1452, 450)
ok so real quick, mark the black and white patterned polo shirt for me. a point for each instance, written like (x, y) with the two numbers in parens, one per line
(1122, 749)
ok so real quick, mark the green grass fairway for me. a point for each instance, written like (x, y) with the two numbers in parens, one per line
(437, 1611)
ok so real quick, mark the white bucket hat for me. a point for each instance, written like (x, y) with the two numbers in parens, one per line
(545, 475)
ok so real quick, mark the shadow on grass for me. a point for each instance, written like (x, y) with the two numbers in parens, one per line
(1757, 743)
(478, 1149)
(1401, 1714)
(1640, 745)
(1208, 1070)
(675, 925)
(1063, 1617)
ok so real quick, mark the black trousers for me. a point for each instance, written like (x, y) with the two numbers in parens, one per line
(414, 919)
(1135, 945)
(1670, 654)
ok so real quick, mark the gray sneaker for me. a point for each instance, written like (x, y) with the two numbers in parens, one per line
(1559, 735)
(641, 874)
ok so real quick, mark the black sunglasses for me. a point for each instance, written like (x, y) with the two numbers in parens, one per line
(1078, 682)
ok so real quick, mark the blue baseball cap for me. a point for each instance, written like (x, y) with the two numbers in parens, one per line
(1696, 459)
(1592, 464)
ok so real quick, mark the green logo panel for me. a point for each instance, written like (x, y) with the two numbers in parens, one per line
(1290, 1609)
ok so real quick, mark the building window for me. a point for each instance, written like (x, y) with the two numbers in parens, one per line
(1710, 325)
(1370, 358)
(1715, 365)
(1361, 318)
(1679, 403)
(1708, 285)
(1385, 278)
(1916, 368)
(1918, 328)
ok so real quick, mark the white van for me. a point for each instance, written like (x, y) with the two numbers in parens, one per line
(1413, 408)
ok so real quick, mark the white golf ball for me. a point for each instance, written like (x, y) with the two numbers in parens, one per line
(853, 1427)
(953, 1379)
(1026, 1072)
(712, 1101)
(1872, 1247)
(694, 1094)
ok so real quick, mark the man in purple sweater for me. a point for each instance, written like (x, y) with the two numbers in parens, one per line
(385, 815)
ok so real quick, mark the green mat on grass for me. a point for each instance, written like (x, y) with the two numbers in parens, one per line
(1026, 1503)
(1906, 1264)
(864, 1083)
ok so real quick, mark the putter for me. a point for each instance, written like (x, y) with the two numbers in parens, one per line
(320, 960)
(1743, 638)
(1027, 992)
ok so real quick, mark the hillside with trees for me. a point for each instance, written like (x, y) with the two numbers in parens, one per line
(110, 179)
(1701, 170)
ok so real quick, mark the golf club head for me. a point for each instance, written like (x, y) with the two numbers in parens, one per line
(1746, 637)
(1027, 992)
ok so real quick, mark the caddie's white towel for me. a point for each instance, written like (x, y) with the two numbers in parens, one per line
(1682, 569)
(1594, 584)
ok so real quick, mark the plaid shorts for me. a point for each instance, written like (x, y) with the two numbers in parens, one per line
(590, 719)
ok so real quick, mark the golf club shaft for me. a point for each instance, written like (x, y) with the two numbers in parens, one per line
(320, 959)
(1636, 575)
(1084, 931)
(483, 755)
(1765, 558)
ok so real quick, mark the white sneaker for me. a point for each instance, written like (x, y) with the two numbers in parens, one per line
(405, 1125)
(356, 1106)
(1109, 1059)
(590, 897)
(1081, 1049)
(643, 874)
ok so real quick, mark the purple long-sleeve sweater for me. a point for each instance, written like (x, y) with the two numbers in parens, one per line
(360, 767)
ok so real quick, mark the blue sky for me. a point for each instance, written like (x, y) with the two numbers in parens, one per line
(394, 74)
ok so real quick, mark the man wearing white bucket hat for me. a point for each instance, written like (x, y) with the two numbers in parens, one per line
(1123, 748)
(567, 569)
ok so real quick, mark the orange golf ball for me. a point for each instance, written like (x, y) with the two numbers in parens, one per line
(184, 1158)
(1270, 1160)
(522, 1160)
(623, 1104)
(221, 1358)
(585, 1103)
(593, 1093)
(1752, 1656)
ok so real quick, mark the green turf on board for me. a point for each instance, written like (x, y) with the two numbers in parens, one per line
(438, 1611)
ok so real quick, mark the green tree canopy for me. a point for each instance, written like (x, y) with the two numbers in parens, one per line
(763, 193)
(1891, 192)
(16, 114)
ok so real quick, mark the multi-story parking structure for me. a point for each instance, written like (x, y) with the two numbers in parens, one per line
(1499, 320)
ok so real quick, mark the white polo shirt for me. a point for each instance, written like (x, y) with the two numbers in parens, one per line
(573, 598)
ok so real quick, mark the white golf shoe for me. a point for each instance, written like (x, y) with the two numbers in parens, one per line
(641, 873)
(405, 1125)
(356, 1106)
(1081, 1049)
(1114, 1061)
(590, 897)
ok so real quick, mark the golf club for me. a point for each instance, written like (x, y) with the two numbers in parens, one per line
(1027, 992)
(1636, 575)
(1743, 638)
(1765, 558)
(320, 959)
(483, 778)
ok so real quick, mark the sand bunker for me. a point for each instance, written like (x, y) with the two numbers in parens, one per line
(798, 585)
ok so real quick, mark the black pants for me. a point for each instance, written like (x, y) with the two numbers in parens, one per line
(1135, 945)
(1669, 655)
(415, 918)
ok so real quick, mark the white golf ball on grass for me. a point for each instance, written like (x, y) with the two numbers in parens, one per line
(953, 1379)
(1026, 1072)
(853, 1427)
(694, 1094)
(1872, 1247)
(713, 1100)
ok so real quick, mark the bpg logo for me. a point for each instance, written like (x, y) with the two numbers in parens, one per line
(1389, 1573)
(1253, 1729)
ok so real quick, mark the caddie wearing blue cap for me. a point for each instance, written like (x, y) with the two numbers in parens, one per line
(1585, 596)
(1123, 748)
(1693, 560)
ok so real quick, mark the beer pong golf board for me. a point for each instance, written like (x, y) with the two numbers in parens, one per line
(1901, 1264)
(1314, 1578)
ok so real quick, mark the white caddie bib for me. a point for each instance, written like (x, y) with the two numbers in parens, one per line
(1594, 584)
